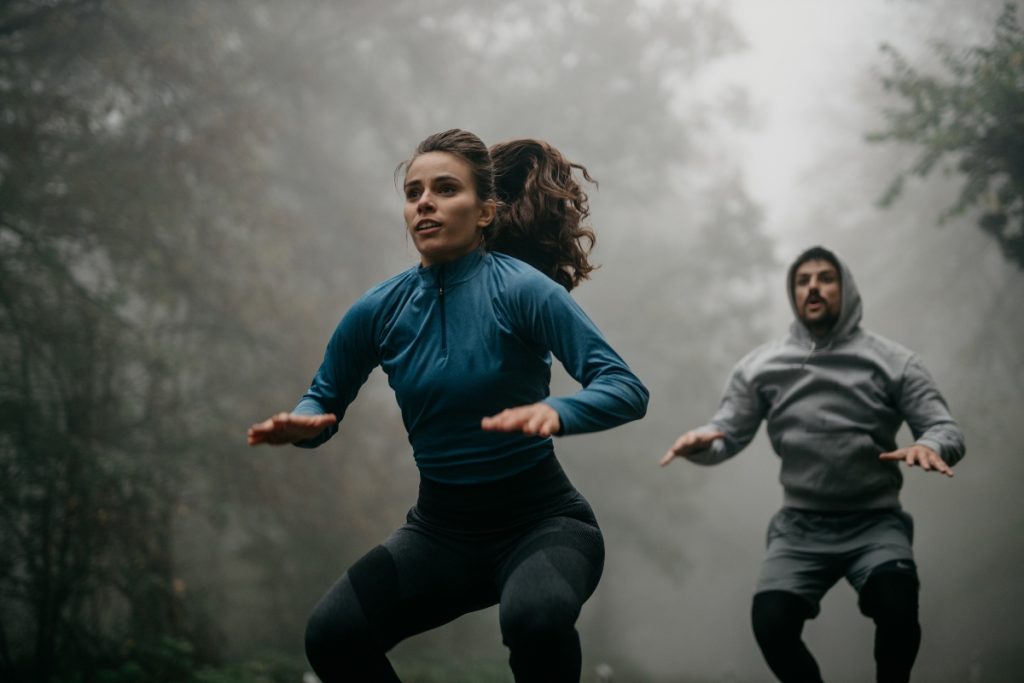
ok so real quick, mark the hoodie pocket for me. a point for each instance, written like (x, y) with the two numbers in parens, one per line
(836, 465)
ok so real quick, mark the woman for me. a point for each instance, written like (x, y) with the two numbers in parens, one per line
(466, 339)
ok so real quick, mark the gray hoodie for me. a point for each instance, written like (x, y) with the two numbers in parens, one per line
(832, 405)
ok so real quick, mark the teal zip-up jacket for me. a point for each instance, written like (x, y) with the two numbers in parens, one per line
(465, 340)
(832, 405)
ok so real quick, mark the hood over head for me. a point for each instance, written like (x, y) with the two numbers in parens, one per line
(850, 307)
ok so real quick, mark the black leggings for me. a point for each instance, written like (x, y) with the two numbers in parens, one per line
(432, 570)
(889, 598)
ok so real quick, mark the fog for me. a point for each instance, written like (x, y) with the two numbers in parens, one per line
(219, 183)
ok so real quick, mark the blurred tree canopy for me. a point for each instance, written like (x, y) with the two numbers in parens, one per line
(132, 144)
(974, 115)
(184, 215)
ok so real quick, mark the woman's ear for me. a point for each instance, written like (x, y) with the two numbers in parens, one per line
(488, 210)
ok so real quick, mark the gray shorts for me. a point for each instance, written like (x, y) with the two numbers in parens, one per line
(808, 552)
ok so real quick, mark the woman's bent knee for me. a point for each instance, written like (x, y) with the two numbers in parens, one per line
(541, 623)
(337, 629)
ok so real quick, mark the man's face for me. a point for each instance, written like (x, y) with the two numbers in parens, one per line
(818, 295)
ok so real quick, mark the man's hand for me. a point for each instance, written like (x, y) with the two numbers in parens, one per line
(538, 419)
(289, 428)
(689, 443)
(919, 455)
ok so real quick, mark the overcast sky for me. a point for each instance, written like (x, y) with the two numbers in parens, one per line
(806, 65)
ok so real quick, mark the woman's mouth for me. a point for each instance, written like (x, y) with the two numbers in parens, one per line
(426, 225)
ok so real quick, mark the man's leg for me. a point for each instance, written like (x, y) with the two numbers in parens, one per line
(885, 576)
(799, 567)
(778, 618)
(889, 597)
(544, 584)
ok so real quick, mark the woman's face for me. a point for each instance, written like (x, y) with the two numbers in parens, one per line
(442, 212)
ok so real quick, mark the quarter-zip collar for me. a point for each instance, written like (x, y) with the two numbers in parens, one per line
(451, 273)
(444, 276)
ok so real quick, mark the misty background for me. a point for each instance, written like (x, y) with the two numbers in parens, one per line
(193, 193)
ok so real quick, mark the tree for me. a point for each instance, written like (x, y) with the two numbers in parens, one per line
(128, 169)
(973, 116)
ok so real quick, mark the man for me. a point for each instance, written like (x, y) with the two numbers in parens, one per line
(833, 396)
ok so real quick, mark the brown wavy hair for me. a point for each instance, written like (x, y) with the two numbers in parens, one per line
(541, 210)
(541, 206)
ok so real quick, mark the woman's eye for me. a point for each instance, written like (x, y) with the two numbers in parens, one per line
(412, 194)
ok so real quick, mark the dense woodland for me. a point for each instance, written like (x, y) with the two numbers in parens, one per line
(192, 193)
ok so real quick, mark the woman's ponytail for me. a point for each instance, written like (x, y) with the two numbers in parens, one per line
(541, 209)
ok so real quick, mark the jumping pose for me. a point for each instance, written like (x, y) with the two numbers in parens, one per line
(833, 396)
(466, 339)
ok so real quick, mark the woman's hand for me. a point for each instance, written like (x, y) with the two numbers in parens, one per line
(289, 428)
(538, 419)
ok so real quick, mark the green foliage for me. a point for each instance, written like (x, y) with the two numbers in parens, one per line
(267, 668)
(441, 671)
(170, 660)
(972, 116)
(166, 659)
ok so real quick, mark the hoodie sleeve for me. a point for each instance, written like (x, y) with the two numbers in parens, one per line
(739, 416)
(927, 414)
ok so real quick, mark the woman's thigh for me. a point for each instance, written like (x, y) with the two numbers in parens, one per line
(409, 584)
(551, 571)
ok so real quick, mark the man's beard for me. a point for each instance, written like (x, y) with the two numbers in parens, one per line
(823, 324)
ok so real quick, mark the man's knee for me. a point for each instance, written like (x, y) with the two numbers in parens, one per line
(777, 614)
(890, 595)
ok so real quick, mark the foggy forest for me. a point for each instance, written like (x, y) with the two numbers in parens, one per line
(192, 194)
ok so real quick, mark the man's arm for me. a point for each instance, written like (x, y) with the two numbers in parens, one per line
(938, 441)
(690, 443)
(730, 430)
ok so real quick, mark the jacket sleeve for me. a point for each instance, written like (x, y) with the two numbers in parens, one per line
(350, 357)
(610, 393)
(927, 414)
(739, 416)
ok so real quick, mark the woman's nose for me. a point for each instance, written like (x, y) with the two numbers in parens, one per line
(425, 203)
